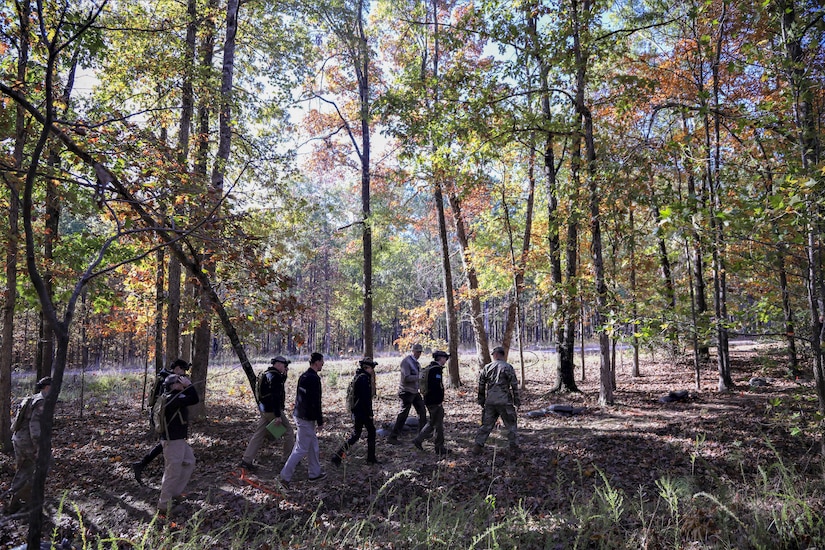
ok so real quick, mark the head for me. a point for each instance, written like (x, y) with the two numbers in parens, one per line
(440, 356)
(44, 385)
(416, 350)
(280, 363)
(173, 383)
(179, 366)
(498, 353)
(316, 361)
(367, 363)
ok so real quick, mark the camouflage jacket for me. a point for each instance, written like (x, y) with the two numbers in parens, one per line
(28, 436)
(498, 385)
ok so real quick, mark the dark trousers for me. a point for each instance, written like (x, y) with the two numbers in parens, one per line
(409, 399)
(434, 426)
(156, 451)
(360, 424)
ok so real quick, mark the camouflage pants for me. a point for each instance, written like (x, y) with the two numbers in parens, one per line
(21, 485)
(491, 414)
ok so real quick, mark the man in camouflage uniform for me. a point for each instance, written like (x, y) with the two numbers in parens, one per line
(26, 441)
(498, 395)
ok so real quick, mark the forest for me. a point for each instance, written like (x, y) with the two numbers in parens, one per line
(226, 181)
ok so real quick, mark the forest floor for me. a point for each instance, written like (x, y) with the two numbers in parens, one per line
(709, 437)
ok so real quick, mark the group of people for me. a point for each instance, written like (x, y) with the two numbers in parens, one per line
(419, 388)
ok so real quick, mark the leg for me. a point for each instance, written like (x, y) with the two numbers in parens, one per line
(187, 467)
(314, 456)
(370, 425)
(488, 421)
(173, 456)
(437, 423)
(354, 437)
(156, 451)
(406, 403)
(305, 432)
(289, 435)
(420, 409)
(510, 419)
(427, 431)
(258, 438)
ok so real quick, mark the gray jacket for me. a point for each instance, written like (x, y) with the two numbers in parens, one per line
(410, 368)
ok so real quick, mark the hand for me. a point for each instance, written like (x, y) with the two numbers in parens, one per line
(185, 381)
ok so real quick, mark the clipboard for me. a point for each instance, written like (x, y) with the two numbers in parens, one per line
(275, 429)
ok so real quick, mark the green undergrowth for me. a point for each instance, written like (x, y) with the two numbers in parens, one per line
(774, 510)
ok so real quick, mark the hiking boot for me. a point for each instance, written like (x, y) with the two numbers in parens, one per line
(247, 466)
(321, 476)
(336, 460)
(137, 469)
(393, 440)
(477, 449)
(418, 445)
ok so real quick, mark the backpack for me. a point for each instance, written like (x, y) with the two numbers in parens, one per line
(351, 393)
(22, 415)
(259, 383)
(424, 380)
(159, 413)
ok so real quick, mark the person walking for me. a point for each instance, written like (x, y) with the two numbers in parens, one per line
(179, 459)
(179, 367)
(408, 394)
(26, 441)
(432, 388)
(359, 403)
(308, 418)
(498, 396)
(271, 402)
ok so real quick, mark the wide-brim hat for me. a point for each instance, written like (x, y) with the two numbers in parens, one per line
(280, 359)
(367, 361)
(440, 353)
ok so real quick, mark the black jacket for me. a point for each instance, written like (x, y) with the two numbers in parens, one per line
(435, 384)
(308, 397)
(362, 393)
(177, 412)
(273, 395)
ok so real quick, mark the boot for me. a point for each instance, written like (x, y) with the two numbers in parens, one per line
(137, 469)
(477, 449)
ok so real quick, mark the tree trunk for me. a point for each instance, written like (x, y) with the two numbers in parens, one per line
(476, 316)
(586, 126)
(13, 235)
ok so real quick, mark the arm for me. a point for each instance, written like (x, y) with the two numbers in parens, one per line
(514, 386)
(482, 386)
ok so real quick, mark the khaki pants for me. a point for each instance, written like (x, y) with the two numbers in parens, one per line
(261, 433)
(180, 463)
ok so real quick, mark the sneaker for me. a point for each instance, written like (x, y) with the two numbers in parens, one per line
(322, 476)
(418, 445)
(336, 460)
(247, 466)
(137, 469)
